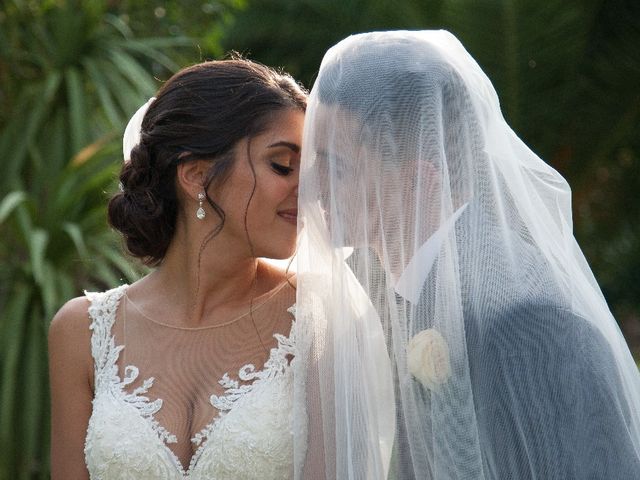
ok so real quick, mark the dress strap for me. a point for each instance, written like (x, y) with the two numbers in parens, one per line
(102, 313)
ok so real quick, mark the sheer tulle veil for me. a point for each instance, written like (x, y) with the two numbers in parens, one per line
(465, 336)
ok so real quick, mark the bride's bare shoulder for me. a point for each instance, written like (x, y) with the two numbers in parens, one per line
(70, 361)
(72, 317)
(69, 332)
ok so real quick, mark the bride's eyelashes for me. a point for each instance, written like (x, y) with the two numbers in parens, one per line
(281, 169)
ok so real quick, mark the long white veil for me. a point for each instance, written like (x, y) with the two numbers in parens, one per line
(465, 337)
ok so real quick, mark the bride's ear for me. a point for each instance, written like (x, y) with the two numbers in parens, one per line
(191, 178)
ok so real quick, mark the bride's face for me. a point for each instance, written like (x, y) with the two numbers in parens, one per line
(260, 197)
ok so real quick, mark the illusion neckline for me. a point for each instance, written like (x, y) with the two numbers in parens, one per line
(252, 309)
(147, 408)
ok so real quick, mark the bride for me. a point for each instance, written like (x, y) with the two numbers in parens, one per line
(489, 327)
(187, 372)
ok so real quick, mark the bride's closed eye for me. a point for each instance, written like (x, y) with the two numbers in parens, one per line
(281, 169)
(286, 152)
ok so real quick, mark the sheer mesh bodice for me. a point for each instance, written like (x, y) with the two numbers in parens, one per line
(175, 403)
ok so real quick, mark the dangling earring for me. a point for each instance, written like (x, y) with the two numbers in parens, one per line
(200, 213)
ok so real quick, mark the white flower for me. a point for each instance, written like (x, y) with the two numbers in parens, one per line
(428, 358)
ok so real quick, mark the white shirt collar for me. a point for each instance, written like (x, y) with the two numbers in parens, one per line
(410, 283)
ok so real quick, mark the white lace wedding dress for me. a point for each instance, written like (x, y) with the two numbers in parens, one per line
(249, 434)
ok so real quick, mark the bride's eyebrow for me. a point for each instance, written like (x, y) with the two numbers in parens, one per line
(292, 146)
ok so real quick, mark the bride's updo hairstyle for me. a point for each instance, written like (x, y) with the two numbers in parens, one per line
(199, 113)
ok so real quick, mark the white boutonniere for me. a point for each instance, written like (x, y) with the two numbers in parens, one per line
(428, 358)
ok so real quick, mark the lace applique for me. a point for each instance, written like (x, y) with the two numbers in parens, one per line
(106, 354)
(117, 445)
(102, 312)
(277, 364)
(147, 408)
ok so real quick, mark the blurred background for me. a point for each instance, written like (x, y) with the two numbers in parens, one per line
(72, 73)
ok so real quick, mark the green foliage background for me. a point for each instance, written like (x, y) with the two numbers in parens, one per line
(72, 72)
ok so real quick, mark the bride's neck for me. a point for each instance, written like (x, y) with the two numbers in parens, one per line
(200, 277)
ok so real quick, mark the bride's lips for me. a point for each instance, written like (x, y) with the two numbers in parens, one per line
(290, 215)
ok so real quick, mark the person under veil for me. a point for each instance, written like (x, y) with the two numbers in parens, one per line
(481, 314)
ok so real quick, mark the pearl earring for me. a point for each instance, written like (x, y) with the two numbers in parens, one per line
(200, 213)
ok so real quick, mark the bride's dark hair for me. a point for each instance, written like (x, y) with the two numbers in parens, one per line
(199, 113)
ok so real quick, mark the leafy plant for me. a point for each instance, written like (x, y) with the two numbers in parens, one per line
(70, 76)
